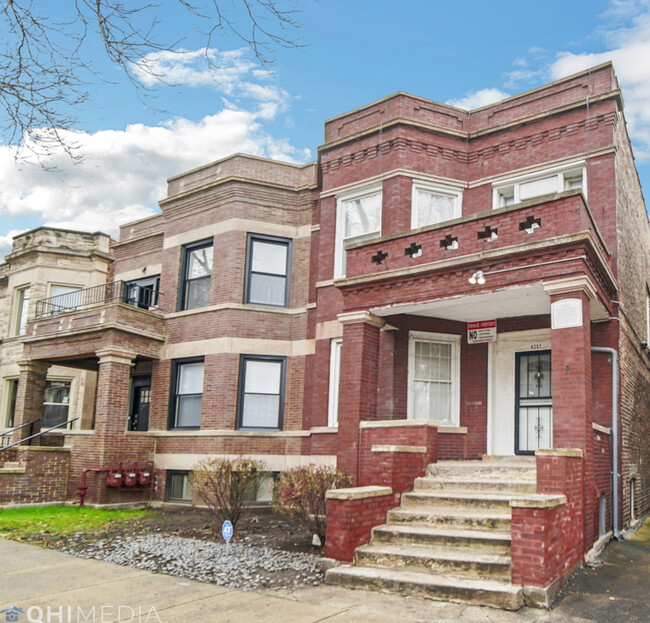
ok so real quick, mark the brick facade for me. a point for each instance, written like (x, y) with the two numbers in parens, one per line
(533, 218)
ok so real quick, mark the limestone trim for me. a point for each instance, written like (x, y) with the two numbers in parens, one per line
(294, 311)
(239, 346)
(398, 448)
(571, 284)
(606, 430)
(216, 433)
(30, 365)
(328, 330)
(317, 430)
(325, 284)
(358, 493)
(238, 225)
(273, 462)
(452, 430)
(538, 501)
(98, 328)
(390, 423)
(569, 452)
(361, 316)
(115, 355)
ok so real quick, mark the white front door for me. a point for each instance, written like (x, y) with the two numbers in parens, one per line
(502, 394)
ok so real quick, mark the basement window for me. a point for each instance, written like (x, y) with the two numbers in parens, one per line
(178, 487)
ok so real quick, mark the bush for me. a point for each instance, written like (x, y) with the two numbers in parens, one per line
(302, 492)
(227, 487)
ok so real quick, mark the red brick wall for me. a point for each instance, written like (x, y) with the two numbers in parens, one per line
(45, 477)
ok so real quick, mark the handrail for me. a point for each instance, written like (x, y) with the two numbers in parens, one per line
(3, 436)
(13, 430)
(131, 294)
(43, 432)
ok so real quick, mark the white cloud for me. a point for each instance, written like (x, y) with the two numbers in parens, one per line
(123, 173)
(629, 51)
(478, 99)
(229, 72)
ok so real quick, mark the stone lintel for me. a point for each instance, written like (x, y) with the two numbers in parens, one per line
(361, 316)
(358, 493)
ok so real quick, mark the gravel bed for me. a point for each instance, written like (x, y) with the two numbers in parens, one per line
(236, 566)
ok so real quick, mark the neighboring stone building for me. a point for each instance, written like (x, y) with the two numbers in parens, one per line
(440, 285)
(43, 263)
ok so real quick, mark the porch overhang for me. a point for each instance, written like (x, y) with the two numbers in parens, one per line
(511, 302)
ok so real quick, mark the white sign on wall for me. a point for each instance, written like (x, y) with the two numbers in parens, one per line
(566, 313)
(482, 331)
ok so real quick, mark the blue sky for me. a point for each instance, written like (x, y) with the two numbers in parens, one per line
(469, 53)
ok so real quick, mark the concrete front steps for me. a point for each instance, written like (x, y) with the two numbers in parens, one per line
(450, 538)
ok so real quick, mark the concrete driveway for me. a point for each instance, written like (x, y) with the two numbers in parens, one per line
(48, 587)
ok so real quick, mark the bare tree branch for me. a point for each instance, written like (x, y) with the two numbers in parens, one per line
(46, 62)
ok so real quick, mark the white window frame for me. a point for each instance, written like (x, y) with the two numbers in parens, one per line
(437, 189)
(71, 388)
(339, 247)
(6, 402)
(647, 319)
(72, 288)
(440, 338)
(335, 380)
(513, 184)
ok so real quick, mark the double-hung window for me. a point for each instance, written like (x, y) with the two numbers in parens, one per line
(434, 371)
(433, 204)
(56, 403)
(550, 181)
(268, 271)
(261, 392)
(20, 313)
(358, 218)
(196, 274)
(187, 394)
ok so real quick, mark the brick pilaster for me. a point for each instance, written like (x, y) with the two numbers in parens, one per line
(358, 388)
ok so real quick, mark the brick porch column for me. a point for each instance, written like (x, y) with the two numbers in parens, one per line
(358, 388)
(571, 363)
(29, 396)
(112, 402)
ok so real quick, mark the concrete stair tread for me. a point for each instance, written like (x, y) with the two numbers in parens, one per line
(452, 554)
(471, 480)
(466, 495)
(445, 587)
(456, 512)
(451, 533)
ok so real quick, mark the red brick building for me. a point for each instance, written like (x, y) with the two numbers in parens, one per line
(440, 285)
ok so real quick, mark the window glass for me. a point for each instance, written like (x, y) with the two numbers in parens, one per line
(268, 268)
(261, 394)
(432, 207)
(362, 216)
(56, 403)
(536, 188)
(188, 395)
(21, 311)
(67, 298)
(12, 392)
(335, 380)
(433, 381)
(197, 277)
(178, 487)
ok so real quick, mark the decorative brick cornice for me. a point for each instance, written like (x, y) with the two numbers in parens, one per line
(430, 148)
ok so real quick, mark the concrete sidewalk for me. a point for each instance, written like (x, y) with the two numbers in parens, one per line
(75, 590)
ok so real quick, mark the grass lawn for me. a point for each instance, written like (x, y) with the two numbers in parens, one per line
(30, 523)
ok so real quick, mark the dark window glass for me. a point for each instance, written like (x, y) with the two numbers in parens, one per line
(267, 276)
(178, 487)
(56, 403)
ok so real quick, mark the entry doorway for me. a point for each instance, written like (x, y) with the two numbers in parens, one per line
(533, 402)
(504, 404)
(140, 401)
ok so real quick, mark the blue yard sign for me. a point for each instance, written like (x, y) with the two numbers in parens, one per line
(226, 530)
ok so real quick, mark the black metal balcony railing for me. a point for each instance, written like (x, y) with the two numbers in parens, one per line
(145, 297)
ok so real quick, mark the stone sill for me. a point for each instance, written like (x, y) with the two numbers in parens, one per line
(570, 452)
(411, 449)
(606, 430)
(12, 470)
(217, 433)
(42, 449)
(71, 432)
(539, 501)
(358, 493)
(324, 429)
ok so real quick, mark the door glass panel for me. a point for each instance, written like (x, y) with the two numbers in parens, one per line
(534, 402)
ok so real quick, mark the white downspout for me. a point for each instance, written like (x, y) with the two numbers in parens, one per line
(615, 474)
